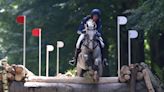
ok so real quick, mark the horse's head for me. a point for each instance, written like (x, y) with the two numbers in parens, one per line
(90, 34)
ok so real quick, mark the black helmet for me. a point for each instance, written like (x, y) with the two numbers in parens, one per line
(96, 12)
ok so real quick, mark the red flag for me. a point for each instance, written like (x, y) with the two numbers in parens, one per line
(20, 19)
(36, 32)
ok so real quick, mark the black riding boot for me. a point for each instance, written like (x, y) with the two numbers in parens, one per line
(105, 63)
(77, 51)
(102, 53)
(74, 61)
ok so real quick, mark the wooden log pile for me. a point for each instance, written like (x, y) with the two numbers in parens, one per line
(15, 72)
(140, 72)
(133, 78)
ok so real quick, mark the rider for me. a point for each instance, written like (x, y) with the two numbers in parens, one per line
(95, 16)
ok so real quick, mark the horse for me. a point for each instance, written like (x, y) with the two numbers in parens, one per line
(90, 58)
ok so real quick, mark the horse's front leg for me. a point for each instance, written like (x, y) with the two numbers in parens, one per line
(97, 69)
(79, 71)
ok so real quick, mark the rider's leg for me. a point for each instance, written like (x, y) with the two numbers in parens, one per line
(102, 46)
(77, 50)
(79, 41)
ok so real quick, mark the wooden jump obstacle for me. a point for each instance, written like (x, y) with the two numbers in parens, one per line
(12, 80)
(76, 84)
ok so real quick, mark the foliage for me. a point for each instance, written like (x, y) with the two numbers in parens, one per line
(71, 72)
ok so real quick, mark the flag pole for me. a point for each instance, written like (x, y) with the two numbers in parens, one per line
(129, 49)
(24, 42)
(57, 65)
(60, 44)
(40, 36)
(49, 48)
(131, 35)
(47, 61)
(121, 20)
(118, 46)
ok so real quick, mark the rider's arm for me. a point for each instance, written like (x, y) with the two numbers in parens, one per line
(99, 26)
(82, 25)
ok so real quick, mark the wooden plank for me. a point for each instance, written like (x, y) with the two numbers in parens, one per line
(73, 87)
(76, 80)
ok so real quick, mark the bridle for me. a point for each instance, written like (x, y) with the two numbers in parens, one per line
(90, 26)
(89, 41)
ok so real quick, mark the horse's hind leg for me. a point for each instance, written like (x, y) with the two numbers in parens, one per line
(95, 73)
(96, 65)
(82, 73)
(99, 66)
(100, 69)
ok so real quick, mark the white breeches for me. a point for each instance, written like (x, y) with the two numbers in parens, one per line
(101, 42)
(81, 37)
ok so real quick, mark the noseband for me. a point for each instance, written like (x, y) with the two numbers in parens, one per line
(89, 41)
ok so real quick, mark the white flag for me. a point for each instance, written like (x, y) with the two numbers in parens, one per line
(133, 34)
(122, 20)
(60, 44)
(50, 47)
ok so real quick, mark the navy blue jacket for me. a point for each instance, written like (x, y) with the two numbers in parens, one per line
(85, 19)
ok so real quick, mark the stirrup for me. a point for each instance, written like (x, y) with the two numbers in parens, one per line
(72, 62)
(105, 62)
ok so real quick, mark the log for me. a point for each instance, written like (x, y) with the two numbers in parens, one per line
(21, 72)
(15, 72)
(0, 77)
(124, 74)
(138, 72)
(148, 81)
(133, 79)
(75, 80)
(157, 84)
(124, 78)
(5, 77)
(140, 76)
(72, 87)
(10, 76)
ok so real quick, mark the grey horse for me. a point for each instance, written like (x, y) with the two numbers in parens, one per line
(90, 58)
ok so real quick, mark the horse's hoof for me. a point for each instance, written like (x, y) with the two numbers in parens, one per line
(96, 77)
